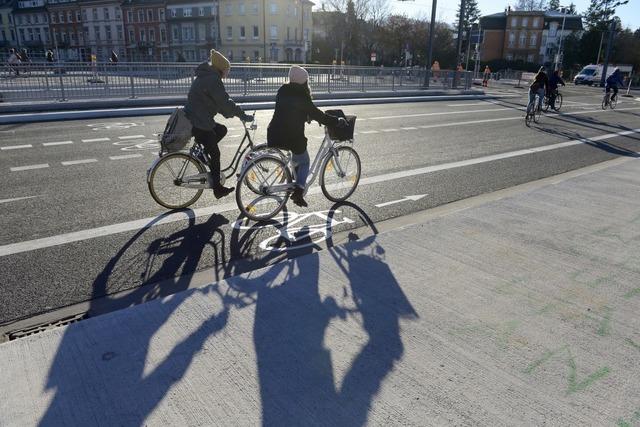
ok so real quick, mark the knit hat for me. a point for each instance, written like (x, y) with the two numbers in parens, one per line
(297, 74)
(220, 63)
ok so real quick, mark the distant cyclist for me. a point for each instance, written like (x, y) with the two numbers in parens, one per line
(13, 61)
(554, 81)
(538, 87)
(613, 82)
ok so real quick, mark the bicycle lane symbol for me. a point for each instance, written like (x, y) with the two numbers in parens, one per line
(296, 230)
(137, 144)
(113, 126)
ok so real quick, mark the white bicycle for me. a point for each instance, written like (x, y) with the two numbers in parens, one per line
(267, 177)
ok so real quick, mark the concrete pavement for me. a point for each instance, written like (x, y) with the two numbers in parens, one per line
(512, 308)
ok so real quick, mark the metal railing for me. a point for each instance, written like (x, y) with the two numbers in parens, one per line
(65, 81)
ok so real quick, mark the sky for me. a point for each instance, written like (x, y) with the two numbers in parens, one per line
(629, 13)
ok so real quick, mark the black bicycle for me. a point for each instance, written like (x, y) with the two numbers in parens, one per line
(176, 180)
(547, 101)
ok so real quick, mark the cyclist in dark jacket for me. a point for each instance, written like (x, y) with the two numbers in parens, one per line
(208, 97)
(294, 107)
(614, 81)
(554, 81)
(538, 87)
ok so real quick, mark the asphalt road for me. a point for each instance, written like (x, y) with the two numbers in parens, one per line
(77, 222)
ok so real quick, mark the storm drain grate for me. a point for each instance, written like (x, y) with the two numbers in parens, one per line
(36, 329)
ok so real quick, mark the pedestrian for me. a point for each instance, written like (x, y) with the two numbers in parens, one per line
(208, 97)
(294, 107)
(114, 57)
(486, 76)
(49, 56)
(435, 70)
(14, 61)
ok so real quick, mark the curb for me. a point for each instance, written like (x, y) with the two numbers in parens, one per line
(254, 104)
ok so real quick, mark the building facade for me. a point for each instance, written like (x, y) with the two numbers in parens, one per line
(266, 30)
(193, 29)
(146, 30)
(103, 29)
(7, 31)
(31, 24)
(66, 27)
(526, 36)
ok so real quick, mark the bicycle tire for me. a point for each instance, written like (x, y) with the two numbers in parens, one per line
(528, 115)
(545, 104)
(351, 179)
(604, 103)
(613, 102)
(537, 112)
(163, 177)
(261, 205)
(558, 103)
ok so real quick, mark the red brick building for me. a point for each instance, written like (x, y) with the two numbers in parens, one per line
(146, 30)
(65, 23)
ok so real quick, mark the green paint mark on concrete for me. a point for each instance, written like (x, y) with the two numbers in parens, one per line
(574, 385)
(633, 344)
(622, 423)
(605, 323)
(632, 293)
(545, 357)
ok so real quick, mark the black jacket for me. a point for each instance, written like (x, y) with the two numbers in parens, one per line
(293, 108)
(540, 81)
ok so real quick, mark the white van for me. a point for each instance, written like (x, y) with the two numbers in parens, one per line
(592, 73)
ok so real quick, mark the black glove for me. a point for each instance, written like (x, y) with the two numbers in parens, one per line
(246, 117)
(342, 122)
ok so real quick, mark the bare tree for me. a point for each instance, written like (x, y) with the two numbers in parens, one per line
(375, 10)
(531, 5)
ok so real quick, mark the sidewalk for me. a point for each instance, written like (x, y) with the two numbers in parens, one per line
(512, 308)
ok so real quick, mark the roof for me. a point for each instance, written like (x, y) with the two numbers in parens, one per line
(498, 21)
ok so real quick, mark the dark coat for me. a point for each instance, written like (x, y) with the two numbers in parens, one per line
(294, 107)
(208, 97)
(554, 81)
(540, 81)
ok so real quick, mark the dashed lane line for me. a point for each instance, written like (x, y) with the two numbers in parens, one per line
(16, 199)
(366, 132)
(390, 130)
(78, 162)
(49, 144)
(29, 167)
(170, 217)
(16, 147)
(96, 140)
(131, 137)
(125, 156)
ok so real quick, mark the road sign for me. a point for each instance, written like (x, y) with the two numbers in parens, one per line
(373, 57)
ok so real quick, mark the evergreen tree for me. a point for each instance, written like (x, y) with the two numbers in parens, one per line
(531, 4)
(471, 14)
(600, 12)
(554, 5)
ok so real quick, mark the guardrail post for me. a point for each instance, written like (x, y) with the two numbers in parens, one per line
(106, 79)
(393, 80)
(133, 90)
(245, 81)
(362, 80)
(328, 81)
(159, 77)
(63, 98)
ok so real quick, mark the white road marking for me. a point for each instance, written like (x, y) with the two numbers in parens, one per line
(440, 113)
(48, 144)
(125, 156)
(96, 140)
(30, 167)
(131, 137)
(16, 147)
(466, 105)
(404, 199)
(366, 132)
(389, 130)
(61, 239)
(17, 199)
(235, 136)
(78, 162)
(410, 128)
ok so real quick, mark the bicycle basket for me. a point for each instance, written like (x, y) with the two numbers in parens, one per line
(177, 132)
(341, 134)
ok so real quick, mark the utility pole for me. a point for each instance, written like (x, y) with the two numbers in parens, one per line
(560, 56)
(612, 32)
(430, 47)
(460, 23)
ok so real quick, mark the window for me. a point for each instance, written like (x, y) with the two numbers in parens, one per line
(509, 57)
(30, 30)
(525, 21)
(227, 9)
(187, 33)
(306, 34)
(274, 32)
(84, 15)
(254, 8)
(85, 30)
(256, 32)
(512, 39)
(105, 13)
(256, 55)
(163, 35)
(161, 14)
(523, 39)
(186, 11)
(119, 31)
(107, 30)
(29, 18)
(36, 18)
(96, 33)
(173, 13)
(54, 18)
(514, 22)
(61, 17)
(536, 22)
(230, 55)
(243, 56)
(241, 9)
(202, 32)
(143, 36)
(176, 34)
(201, 11)
(140, 15)
(152, 35)
(530, 57)
(273, 8)
(532, 40)
(149, 15)
(78, 16)
(242, 35)
(69, 17)
(132, 36)
(4, 35)
(229, 33)
(95, 14)
(118, 14)
(129, 16)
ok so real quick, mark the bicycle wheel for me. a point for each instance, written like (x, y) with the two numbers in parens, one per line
(558, 104)
(545, 104)
(613, 102)
(604, 103)
(255, 195)
(528, 116)
(537, 111)
(166, 181)
(339, 175)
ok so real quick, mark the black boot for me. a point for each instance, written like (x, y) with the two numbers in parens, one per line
(297, 197)
(221, 191)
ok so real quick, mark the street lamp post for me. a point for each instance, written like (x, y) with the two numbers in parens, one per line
(560, 56)
(430, 42)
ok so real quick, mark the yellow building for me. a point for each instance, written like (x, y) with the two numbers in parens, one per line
(282, 34)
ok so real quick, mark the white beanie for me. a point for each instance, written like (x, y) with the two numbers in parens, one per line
(297, 74)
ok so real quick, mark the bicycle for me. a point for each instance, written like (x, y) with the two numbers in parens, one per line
(609, 101)
(267, 178)
(533, 111)
(177, 179)
(547, 102)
